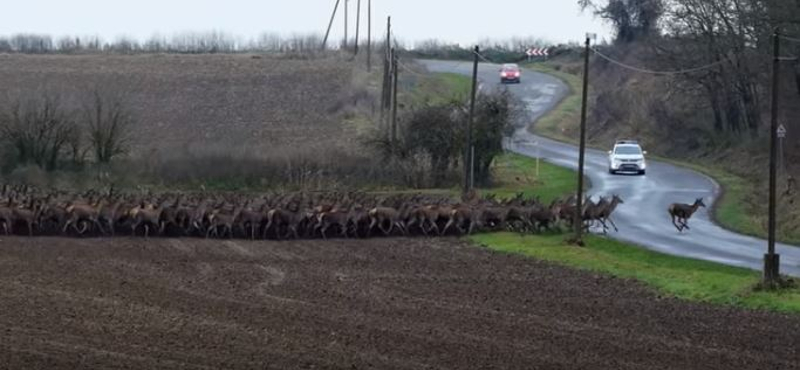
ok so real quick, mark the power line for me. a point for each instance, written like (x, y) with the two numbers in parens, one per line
(408, 69)
(667, 73)
(787, 38)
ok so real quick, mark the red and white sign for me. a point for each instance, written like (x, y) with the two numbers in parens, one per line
(538, 52)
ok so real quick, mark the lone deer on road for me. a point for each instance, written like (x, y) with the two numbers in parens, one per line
(682, 212)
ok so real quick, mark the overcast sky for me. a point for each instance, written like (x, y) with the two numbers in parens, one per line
(462, 21)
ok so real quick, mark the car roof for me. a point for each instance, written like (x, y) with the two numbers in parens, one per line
(627, 142)
(510, 65)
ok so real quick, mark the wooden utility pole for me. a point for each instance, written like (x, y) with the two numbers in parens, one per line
(385, 98)
(330, 24)
(344, 46)
(771, 259)
(358, 25)
(468, 160)
(578, 221)
(394, 99)
(369, 36)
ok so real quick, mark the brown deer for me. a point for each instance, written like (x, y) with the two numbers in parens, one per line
(605, 213)
(82, 213)
(7, 219)
(682, 212)
(380, 216)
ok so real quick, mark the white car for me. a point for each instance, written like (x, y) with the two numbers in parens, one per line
(627, 156)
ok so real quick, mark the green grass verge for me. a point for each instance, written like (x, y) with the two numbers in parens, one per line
(439, 88)
(514, 173)
(678, 277)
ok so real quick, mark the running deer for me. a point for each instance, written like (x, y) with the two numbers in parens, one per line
(682, 212)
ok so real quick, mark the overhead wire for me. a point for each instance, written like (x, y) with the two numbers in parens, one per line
(789, 38)
(665, 73)
(408, 69)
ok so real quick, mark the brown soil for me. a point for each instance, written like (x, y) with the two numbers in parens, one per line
(384, 304)
(189, 105)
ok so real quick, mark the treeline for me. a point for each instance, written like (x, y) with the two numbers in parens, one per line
(734, 37)
(184, 43)
(500, 51)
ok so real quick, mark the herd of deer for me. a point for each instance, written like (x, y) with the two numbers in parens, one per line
(281, 216)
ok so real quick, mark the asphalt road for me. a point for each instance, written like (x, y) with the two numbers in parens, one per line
(643, 218)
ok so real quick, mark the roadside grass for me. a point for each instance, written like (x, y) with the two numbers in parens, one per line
(678, 277)
(438, 88)
(514, 173)
(729, 210)
(682, 278)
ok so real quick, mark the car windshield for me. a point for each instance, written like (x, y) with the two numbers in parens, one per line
(628, 149)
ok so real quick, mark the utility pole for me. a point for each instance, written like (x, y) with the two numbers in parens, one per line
(394, 100)
(578, 222)
(358, 25)
(330, 24)
(771, 259)
(344, 46)
(468, 160)
(369, 36)
(386, 79)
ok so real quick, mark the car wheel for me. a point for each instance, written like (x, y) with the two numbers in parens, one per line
(612, 171)
(642, 172)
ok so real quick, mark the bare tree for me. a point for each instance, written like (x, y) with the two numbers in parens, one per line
(38, 130)
(109, 125)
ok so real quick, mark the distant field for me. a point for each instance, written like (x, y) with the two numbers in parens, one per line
(190, 104)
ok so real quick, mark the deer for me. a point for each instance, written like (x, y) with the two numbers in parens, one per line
(7, 219)
(337, 218)
(379, 216)
(682, 212)
(146, 215)
(82, 213)
(29, 216)
(461, 216)
(605, 213)
(247, 218)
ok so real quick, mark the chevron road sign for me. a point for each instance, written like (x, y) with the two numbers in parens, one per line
(537, 52)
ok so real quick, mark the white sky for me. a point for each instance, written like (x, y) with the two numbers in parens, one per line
(464, 21)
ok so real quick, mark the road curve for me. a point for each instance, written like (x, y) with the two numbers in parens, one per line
(643, 218)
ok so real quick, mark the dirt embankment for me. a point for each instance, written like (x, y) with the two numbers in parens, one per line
(387, 304)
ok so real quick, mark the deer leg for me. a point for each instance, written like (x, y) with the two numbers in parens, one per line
(472, 225)
(99, 226)
(447, 226)
(373, 221)
(434, 226)
(402, 227)
(66, 225)
(612, 224)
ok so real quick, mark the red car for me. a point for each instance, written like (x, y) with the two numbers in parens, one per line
(510, 73)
